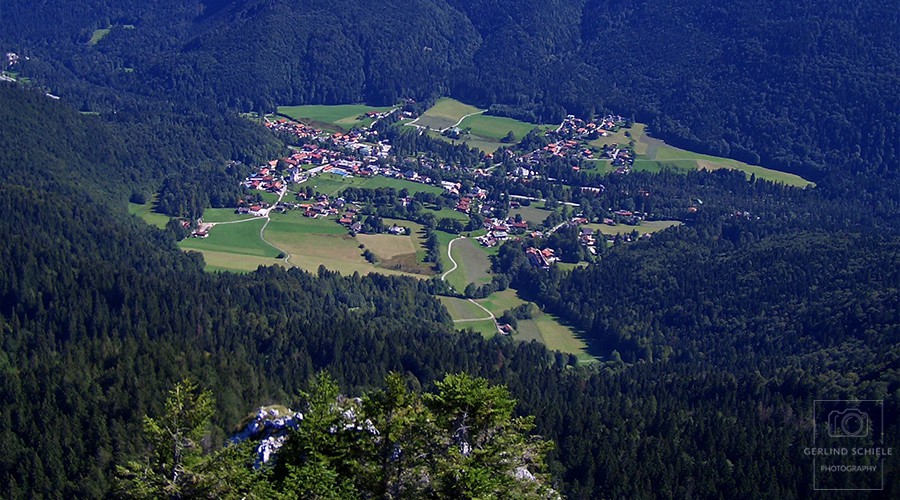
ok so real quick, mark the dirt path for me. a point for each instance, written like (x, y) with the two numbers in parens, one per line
(287, 255)
(490, 314)
(461, 120)
(450, 254)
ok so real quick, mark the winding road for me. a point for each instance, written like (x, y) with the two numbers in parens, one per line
(413, 123)
(287, 255)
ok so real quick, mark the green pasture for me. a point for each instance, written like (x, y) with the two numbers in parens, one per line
(238, 238)
(644, 228)
(314, 242)
(481, 143)
(148, 214)
(223, 215)
(653, 154)
(467, 315)
(445, 113)
(498, 302)
(295, 223)
(496, 127)
(547, 329)
(344, 116)
(332, 184)
(449, 213)
(473, 265)
(98, 35)
(534, 215)
(417, 234)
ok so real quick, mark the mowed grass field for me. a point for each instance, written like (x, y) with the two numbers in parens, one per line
(498, 302)
(445, 113)
(531, 213)
(653, 154)
(234, 247)
(147, 213)
(343, 116)
(485, 131)
(645, 227)
(223, 215)
(314, 242)
(332, 184)
(496, 127)
(467, 315)
(473, 265)
(545, 328)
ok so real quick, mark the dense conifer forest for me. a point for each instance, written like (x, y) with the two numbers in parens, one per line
(713, 338)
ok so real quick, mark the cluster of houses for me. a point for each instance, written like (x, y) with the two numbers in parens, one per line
(499, 230)
(321, 206)
(579, 129)
(543, 258)
(296, 129)
(622, 158)
(264, 180)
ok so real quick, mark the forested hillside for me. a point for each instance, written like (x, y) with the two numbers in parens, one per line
(810, 88)
(713, 339)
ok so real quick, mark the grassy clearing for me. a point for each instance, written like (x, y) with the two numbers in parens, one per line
(653, 154)
(467, 315)
(531, 213)
(295, 223)
(148, 214)
(98, 35)
(547, 329)
(496, 127)
(645, 227)
(445, 113)
(238, 239)
(387, 246)
(473, 265)
(223, 215)
(568, 266)
(332, 184)
(498, 302)
(449, 213)
(344, 116)
(315, 242)
(417, 235)
(226, 261)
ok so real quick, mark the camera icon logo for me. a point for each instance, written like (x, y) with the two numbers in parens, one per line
(851, 422)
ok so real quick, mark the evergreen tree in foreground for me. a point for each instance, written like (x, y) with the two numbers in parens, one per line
(460, 442)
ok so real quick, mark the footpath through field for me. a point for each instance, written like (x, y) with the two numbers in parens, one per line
(455, 265)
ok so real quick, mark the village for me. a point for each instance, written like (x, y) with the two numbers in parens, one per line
(362, 154)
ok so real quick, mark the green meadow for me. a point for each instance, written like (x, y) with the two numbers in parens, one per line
(472, 262)
(234, 246)
(148, 214)
(467, 315)
(645, 227)
(98, 35)
(332, 184)
(485, 132)
(534, 215)
(547, 329)
(654, 154)
(343, 116)
(496, 127)
(445, 113)
(322, 241)
(223, 215)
